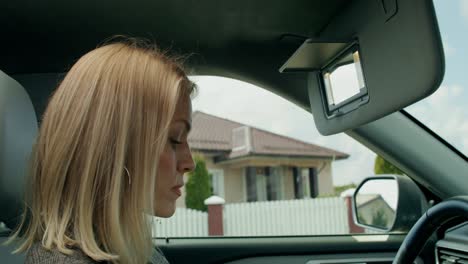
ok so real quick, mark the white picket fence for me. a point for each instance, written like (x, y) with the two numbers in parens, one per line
(184, 223)
(321, 216)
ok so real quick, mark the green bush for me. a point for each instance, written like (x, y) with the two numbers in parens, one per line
(198, 187)
(384, 167)
(342, 188)
(379, 219)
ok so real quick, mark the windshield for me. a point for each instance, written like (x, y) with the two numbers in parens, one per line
(446, 112)
(247, 141)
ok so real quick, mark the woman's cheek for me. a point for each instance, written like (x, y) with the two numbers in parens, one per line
(167, 162)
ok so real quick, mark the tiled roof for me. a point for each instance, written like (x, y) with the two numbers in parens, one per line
(212, 133)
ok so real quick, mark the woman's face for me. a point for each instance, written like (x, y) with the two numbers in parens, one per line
(175, 160)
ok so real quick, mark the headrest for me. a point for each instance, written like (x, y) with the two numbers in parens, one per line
(18, 130)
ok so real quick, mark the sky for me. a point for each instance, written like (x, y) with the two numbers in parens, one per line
(445, 112)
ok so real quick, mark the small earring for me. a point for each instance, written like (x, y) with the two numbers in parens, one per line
(128, 174)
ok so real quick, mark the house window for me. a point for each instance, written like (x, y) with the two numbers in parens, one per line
(274, 183)
(217, 182)
(305, 182)
(298, 183)
(263, 183)
(251, 181)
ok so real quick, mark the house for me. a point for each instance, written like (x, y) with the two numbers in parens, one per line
(250, 164)
(374, 210)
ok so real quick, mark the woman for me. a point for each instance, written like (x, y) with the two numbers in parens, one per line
(112, 150)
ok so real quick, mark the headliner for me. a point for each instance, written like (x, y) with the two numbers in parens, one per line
(247, 40)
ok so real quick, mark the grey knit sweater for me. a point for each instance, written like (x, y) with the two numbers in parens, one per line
(39, 255)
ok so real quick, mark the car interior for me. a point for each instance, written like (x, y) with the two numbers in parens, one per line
(291, 49)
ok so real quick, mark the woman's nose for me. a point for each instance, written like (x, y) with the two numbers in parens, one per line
(190, 164)
(187, 164)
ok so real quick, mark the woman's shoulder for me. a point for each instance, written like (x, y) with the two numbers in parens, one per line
(37, 254)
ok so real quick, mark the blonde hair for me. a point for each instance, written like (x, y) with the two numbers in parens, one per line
(109, 116)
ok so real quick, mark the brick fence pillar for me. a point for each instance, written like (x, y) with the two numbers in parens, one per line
(215, 215)
(353, 228)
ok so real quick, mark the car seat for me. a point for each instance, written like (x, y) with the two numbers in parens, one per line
(18, 130)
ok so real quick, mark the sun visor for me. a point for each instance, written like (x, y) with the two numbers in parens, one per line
(389, 55)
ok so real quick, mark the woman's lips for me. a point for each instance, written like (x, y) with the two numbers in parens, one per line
(177, 191)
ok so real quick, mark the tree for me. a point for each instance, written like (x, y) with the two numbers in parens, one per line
(384, 167)
(379, 219)
(341, 188)
(198, 187)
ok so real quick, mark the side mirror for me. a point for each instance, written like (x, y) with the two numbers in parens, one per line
(388, 203)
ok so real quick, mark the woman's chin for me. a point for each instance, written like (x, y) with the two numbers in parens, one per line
(165, 212)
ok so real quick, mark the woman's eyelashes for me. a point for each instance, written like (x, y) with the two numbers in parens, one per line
(177, 138)
(174, 142)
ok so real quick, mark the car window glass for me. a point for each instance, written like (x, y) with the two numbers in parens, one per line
(269, 171)
(446, 111)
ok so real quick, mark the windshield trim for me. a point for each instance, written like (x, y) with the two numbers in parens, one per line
(434, 134)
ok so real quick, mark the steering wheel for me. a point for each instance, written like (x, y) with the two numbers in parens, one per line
(435, 217)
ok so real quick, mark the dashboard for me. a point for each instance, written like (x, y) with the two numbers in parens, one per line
(453, 248)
